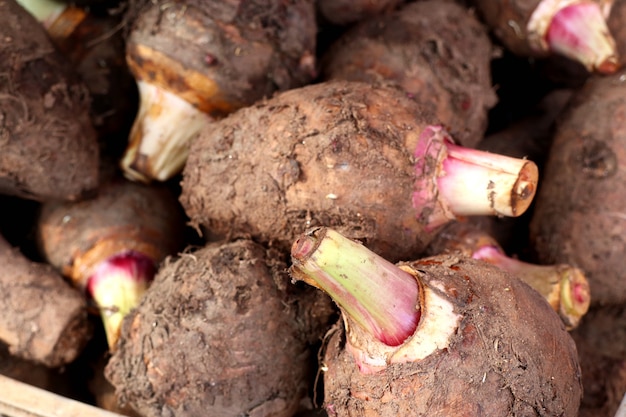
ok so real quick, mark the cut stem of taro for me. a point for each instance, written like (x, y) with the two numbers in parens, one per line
(575, 29)
(117, 285)
(564, 287)
(457, 181)
(388, 315)
(160, 136)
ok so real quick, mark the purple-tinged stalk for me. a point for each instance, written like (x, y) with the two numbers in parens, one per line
(455, 181)
(116, 286)
(564, 287)
(576, 29)
(110, 246)
(383, 305)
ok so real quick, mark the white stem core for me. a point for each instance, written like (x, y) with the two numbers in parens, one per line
(161, 134)
(436, 327)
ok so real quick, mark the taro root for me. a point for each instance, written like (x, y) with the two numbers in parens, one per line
(48, 146)
(221, 332)
(579, 217)
(576, 29)
(440, 336)
(110, 245)
(345, 12)
(94, 43)
(196, 61)
(43, 318)
(564, 287)
(601, 343)
(436, 51)
(364, 159)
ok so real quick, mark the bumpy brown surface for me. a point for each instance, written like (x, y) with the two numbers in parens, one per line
(601, 342)
(43, 319)
(344, 12)
(48, 147)
(508, 19)
(336, 154)
(436, 51)
(221, 332)
(579, 217)
(247, 49)
(510, 356)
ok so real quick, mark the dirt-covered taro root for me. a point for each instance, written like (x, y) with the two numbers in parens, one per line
(48, 146)
(564, 287)
(601, 344)
(345, 12)
(617, 28)
(436, 51)
(579, 217)
(43, 318)
(442, 336)
(221, 332)
(576, 29)
(364, 159)
(94, 44)
(195, 61)
(110, 245)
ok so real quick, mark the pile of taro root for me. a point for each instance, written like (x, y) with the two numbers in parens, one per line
(289, 208)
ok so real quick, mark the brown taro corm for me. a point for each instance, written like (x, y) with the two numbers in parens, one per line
(48, 146)
(111, 244)
(196, 61)
(442, 336)
(364, 159)
(437, 51)
(576, 29)
(345, 12)
(601, 343)
(43, 318)
(617, 27)
(221, 332)
(579, 214)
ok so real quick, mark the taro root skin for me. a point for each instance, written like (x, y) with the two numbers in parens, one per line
(579, 214)
(48, 146)
(43, 318)
(509, 356)
(436, 51)
(221, 332)
(339, 154)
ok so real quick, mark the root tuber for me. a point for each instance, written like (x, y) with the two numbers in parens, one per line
(220, 332)
(437, 51)
(43, 318)
(485, 342)
(111, 245)
(196, 61)
(48, 146)
(344, 154)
